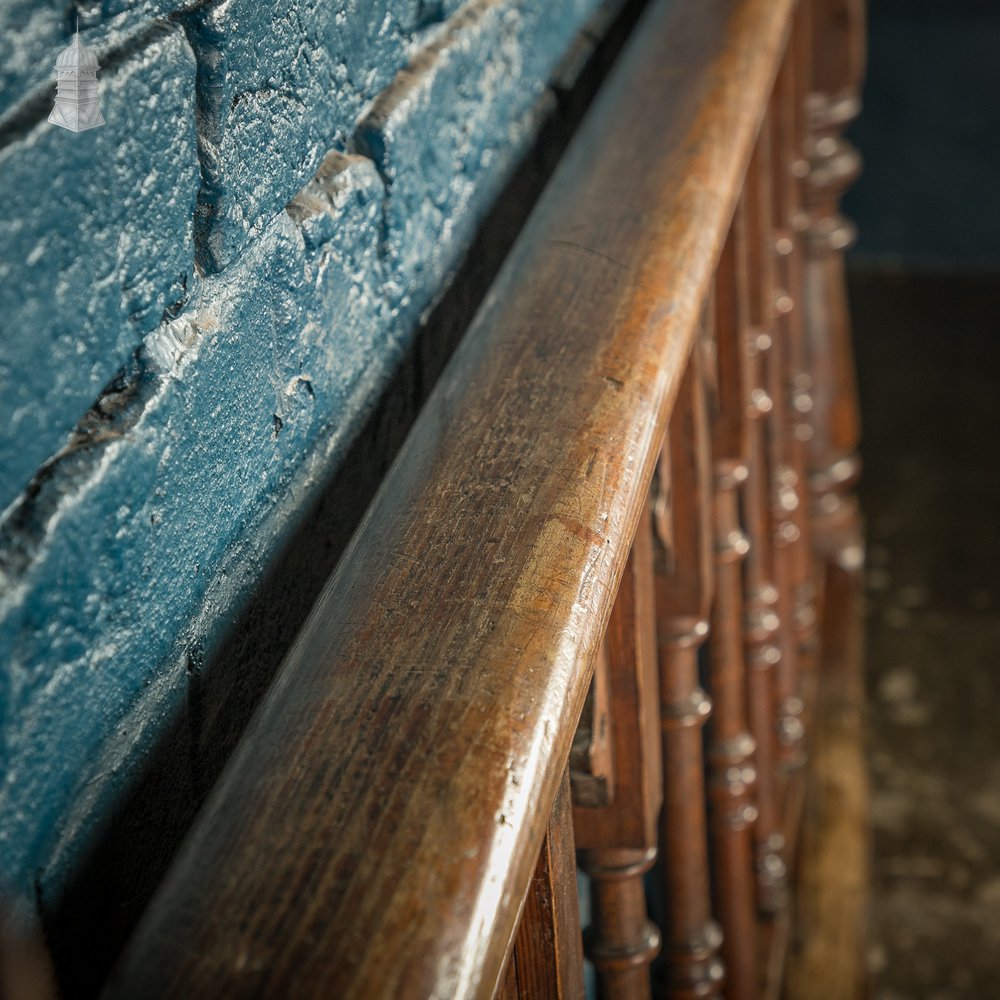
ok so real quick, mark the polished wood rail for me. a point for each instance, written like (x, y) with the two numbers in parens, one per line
(640, 458)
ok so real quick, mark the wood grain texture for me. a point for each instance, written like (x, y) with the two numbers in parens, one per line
(684, 582)
(547, 960)
(376, 830)
(618, 842)
(731, 747)
(629, 819)
(591, 761)
(763, 626)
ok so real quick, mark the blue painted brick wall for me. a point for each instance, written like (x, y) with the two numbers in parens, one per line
(200, 305)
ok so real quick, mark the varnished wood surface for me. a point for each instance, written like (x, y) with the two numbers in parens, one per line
(684, 582)
(375, 832)
(787, 505)
(763, 626)
(547, 960)
(617, 841)
(731, 748)
(831, 895)
(629, 818)
(834, 164)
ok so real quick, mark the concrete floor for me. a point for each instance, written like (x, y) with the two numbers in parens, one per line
(929, 368)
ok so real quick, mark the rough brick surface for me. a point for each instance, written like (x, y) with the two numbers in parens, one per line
(444, 134)
(208, 429)
(96, 236)
(279, 85)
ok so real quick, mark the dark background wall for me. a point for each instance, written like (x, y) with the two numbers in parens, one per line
(930, 136)
(925, 301)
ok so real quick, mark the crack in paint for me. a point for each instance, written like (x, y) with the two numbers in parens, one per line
(27, 521)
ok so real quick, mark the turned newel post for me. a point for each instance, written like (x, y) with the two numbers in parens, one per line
(832, 103)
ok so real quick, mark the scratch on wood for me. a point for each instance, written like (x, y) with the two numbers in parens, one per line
(587, 250)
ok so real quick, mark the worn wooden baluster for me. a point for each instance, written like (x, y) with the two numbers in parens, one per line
(731, 747)
(683, 561)
(834, 835)
(799, 380)
(546, 962)
(617, 839)
(762, 621)
(788, 509)
(837, 59)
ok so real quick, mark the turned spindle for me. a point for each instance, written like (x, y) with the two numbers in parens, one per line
(762, 622)
(621, 942)
(837, 56)
(683, 560)
(788, 510)
(731, 747)
(616, 838)
(799, 379)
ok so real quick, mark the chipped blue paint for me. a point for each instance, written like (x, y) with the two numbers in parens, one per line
(150, 524)
(279, 85)
(135, 532)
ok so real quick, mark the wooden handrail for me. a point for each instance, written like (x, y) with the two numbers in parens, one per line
(376, 830)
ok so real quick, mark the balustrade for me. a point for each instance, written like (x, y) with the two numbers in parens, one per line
(601, 563)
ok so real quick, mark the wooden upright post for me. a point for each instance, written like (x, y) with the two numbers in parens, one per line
(731, 746)
(546, 962)
(763, 624)
(617, 839)
(683, 518)
(837, 60)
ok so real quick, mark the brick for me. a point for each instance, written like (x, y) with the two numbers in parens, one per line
(447, 131)
(97, 235)
(269, 113)
(164, 508)
(281, 84)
